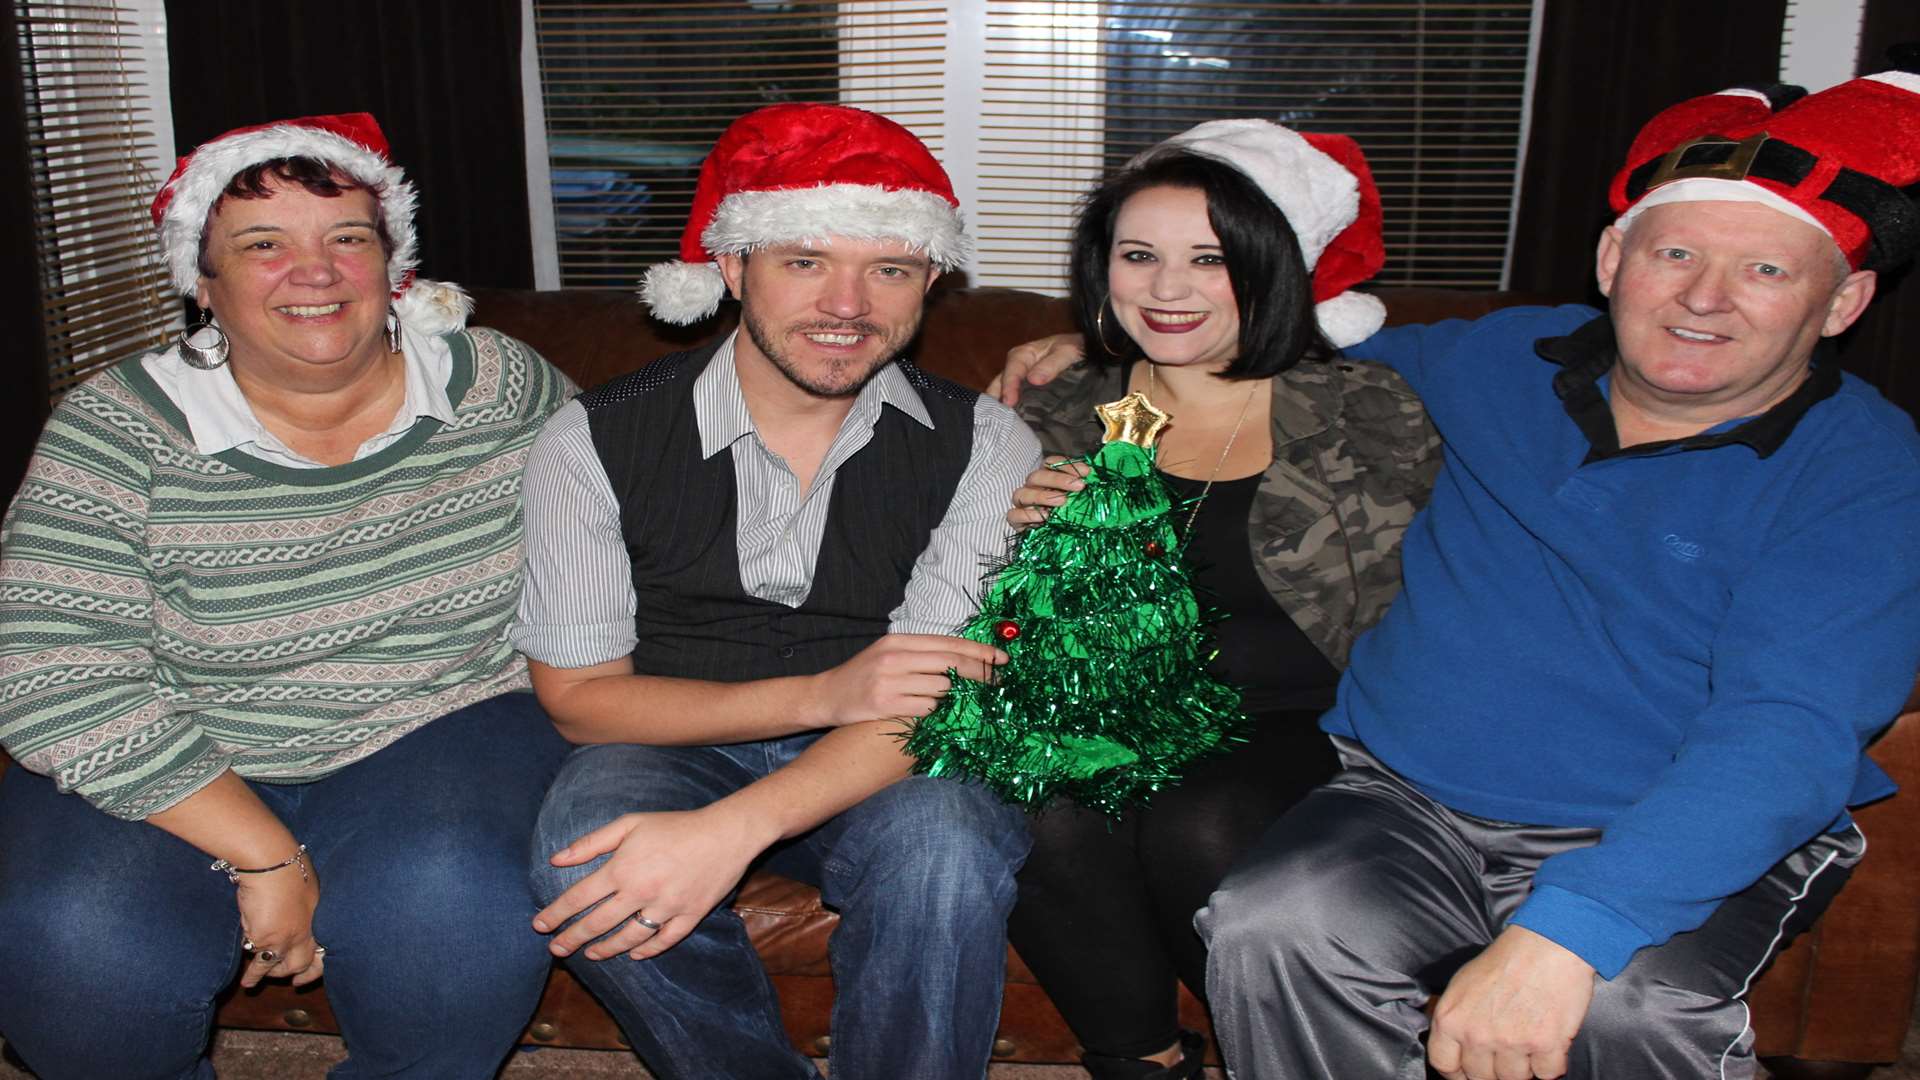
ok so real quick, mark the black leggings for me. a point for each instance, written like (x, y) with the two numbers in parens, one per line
(1105, 916)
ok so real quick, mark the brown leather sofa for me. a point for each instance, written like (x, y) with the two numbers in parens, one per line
(1838, 999)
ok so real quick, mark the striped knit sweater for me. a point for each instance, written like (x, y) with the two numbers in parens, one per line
(165, 615)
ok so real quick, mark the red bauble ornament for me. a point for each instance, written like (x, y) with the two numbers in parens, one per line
(1154, 550)
(1006, 629)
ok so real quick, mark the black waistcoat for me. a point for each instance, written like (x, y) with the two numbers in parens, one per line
(694, 619)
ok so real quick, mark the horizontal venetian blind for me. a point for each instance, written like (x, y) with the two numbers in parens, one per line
(89, 130)
(636, 94)
(1433, 92)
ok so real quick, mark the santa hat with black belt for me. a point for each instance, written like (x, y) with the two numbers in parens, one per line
(804, 174)
(1323, 186)
(351, 144)
(1844, 160)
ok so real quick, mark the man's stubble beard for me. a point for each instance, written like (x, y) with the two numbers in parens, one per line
(764, 340)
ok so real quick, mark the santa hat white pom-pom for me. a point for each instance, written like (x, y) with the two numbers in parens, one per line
(1350, 318)
(434, 307)
(681, 292)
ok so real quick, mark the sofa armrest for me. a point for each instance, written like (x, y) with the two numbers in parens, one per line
(1858, 997)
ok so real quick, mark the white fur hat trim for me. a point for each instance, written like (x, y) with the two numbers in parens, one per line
(681, 292)
(748, 220)
(1350, 318)
(1317, 194)
(1709, 189)
(433, 307)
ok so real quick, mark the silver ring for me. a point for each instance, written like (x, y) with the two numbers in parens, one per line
(644, 921)
(247, 944)
(319, 951)
(267, 957)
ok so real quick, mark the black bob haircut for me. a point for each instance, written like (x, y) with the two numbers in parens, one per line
(1269, 276)
(318, 177)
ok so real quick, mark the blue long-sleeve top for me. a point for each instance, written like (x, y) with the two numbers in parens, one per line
(1686, 646)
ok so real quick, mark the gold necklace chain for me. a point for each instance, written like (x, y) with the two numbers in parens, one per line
(1187, 532)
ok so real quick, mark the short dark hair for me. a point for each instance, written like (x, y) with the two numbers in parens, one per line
(318, 177)
(1264, 265)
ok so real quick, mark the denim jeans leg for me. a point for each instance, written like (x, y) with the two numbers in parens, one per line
(922, 874)
(114, 939)
(433, 966)
(704, 1008)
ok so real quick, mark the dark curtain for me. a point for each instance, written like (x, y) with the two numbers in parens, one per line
(441, 76)
(24, 406)
(1604, 70)
(1881, 346)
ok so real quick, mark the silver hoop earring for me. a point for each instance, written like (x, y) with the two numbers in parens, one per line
(1100, 326)
(393, 331)
(204, 344)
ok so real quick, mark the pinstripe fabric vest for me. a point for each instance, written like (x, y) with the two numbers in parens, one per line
(694, 618)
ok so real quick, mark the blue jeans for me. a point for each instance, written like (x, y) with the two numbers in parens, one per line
(921, 873)
(115, 936)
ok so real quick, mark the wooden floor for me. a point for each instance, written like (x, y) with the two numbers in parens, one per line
(261, 1055)
(268, 1055)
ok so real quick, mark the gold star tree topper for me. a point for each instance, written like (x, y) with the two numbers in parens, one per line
(1133, 419)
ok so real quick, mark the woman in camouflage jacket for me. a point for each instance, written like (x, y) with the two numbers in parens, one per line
(1307, 469)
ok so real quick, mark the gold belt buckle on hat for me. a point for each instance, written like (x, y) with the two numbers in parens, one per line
(1735, 167)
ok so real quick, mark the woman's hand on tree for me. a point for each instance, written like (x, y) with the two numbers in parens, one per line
(1045, 488)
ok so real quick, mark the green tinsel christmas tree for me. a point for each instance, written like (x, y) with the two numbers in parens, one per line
(1106, 697)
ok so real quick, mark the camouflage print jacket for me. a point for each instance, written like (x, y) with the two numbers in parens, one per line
(1353, 457)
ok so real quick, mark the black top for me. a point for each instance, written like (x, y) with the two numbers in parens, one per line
(1275, 665)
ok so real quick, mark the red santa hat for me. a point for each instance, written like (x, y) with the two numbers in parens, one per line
(1838, 160)
(352, 145)
(804, 174)
(1324, 187)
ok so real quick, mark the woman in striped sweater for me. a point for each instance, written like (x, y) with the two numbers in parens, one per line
(253, 611)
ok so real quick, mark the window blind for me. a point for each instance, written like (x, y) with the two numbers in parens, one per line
(89, 130)
(1028, 102)
(1433, 92)
(636, 93)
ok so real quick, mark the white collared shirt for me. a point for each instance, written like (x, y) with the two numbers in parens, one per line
(219, 418)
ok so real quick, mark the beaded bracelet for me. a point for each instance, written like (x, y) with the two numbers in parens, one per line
(298, 858)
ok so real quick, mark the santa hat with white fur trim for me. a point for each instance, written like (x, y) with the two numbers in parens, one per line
(1323, 186)
(353, 145)
(1844, 160)
(802, 173)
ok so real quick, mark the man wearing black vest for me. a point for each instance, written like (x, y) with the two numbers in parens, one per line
(743, 562)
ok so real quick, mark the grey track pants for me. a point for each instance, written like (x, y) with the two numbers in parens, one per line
(1327, 940)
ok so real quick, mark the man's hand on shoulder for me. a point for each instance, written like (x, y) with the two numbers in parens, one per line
(1036, 363)
(670, 868)
(1511, 1013)
(900, 676)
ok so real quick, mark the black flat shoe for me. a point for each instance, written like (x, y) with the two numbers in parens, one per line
(1193, 1050)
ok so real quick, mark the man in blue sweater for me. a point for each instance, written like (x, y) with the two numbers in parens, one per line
(1600, 752)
